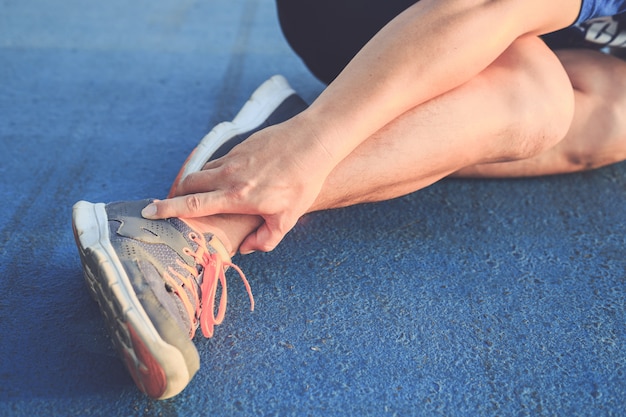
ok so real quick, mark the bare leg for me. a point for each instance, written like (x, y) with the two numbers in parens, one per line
(518, 107)
(597, 136)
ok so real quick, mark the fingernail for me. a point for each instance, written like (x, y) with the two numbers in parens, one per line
(149, 211)
(247, 252)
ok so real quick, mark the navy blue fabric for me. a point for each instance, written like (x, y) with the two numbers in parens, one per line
(598, 8)
(327, 34)
(467, 298)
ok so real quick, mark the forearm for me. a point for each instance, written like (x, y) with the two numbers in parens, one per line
(430, 49)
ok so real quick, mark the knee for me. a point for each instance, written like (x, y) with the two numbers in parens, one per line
(600, 84)
(603, 145)
(540, 98)
(600, 80)
(609, 112)
(603, 136)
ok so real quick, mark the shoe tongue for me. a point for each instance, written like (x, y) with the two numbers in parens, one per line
(212, 241)
(219, 247)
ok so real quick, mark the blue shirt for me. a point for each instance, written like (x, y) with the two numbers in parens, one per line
(600, 23)
(600, 8)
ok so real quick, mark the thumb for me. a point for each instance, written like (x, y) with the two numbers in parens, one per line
(192, 205)
(262, 239)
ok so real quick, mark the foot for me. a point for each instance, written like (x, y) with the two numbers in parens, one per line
(156, 283)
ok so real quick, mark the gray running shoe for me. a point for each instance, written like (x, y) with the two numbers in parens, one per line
(155, 282)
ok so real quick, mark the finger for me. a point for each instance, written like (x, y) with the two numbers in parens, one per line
(262, 239)
(212, 164)
(196, 182)
(187, 206)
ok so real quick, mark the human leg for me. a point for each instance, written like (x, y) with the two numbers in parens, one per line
(130, 260)
(156, 281)
(597, 136)
(516, 108)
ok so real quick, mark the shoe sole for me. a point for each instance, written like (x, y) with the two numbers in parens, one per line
(257, 109)
(158, 368)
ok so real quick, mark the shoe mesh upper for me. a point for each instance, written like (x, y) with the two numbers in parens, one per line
(149, 249)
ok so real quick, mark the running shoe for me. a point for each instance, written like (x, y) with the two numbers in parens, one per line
(156, 282)
(272, 103)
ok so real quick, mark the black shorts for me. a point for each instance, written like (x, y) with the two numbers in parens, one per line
(326, 34)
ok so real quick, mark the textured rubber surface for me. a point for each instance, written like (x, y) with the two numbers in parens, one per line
(475, 298)
(158, 368)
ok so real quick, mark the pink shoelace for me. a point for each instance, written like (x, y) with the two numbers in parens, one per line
(213, 269)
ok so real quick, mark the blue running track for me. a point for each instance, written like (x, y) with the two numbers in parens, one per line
(495, 298)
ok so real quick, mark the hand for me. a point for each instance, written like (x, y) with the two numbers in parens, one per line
(273, 174)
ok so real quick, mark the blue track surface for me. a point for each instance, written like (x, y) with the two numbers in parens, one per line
(467, 298)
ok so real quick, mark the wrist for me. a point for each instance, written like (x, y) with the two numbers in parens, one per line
(316, 143)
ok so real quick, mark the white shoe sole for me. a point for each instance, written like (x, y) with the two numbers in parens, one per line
(257, 109)
(158, 368)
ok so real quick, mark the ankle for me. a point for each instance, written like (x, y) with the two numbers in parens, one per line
(229, 229)
(204, 227)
